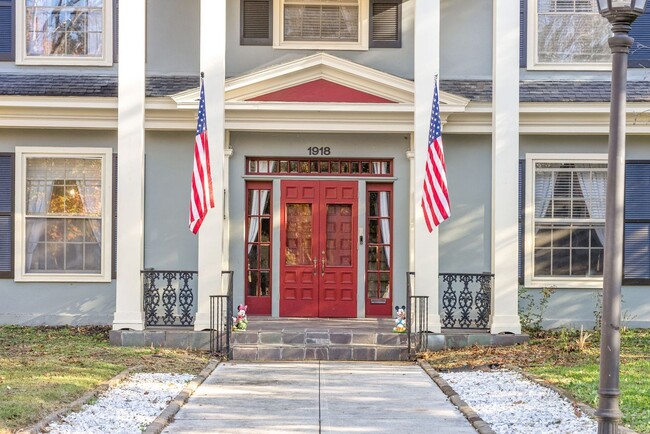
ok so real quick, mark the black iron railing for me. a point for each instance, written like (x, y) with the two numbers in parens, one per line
(169, 297)
(221, 320)
(417, 318)
(466, 300)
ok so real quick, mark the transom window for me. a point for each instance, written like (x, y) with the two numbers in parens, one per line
(64, 31)
(339, 24)
(318, 166)
(568, 33)
(64, 208)
(568, 220)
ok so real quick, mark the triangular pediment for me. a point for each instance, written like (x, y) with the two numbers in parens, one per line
(319, 78)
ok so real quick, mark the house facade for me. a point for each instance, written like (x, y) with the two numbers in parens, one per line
(318, 114)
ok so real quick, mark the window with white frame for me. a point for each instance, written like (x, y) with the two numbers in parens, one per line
(323, 24)
(565, 213)
(63, 203)
(64, 32)
(567, 34)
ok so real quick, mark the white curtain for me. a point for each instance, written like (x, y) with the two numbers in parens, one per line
(594, 189)
(544, 185)
(384, 211)
(38, 202)
(254, 211)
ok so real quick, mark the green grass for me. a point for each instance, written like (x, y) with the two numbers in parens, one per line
(42, 369)
(558, 358)
(582, 379)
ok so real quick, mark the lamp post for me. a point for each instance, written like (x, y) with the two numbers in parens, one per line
(621, 14)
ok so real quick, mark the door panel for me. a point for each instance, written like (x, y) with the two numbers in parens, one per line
(319, 250)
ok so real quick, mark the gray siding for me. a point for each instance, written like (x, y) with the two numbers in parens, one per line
(173, 36)
(465, 242)
(241, 59)
(169, 244)
(56, 303)
(466, 39)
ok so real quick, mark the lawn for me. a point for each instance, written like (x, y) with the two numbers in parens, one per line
(44, 368)
(561, 359)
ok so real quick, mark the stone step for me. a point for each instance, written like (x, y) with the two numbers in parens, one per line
(322, 338)
(358, 352)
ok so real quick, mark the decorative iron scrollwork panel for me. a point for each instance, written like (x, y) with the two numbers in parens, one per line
(466, 300)
(169, 297)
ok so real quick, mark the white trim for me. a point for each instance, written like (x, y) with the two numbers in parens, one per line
(106, 59)
(24, 152)
(359, 45)
(529, 217)
(531, 49)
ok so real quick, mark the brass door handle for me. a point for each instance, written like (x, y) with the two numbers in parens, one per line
(322, 260)
(315, 266)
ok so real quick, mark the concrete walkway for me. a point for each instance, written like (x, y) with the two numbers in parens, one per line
(313, 397)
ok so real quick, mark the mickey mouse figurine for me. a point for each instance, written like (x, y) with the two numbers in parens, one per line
(241, 322)
(400, 319)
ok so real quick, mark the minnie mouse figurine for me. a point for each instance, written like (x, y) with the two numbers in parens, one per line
(241, 321)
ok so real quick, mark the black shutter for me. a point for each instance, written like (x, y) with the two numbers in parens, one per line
(522, 219)
(385, 23)
(640, 51)
(256, 19)
(636, 251)
(523, 35)
(114, 220)
(6, 215)
(7, 30)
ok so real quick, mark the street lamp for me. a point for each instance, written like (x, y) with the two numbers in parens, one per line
(621, 14)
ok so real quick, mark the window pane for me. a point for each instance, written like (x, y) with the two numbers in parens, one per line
(252, 283)
(265, 283)
(298, 250)
(571, 37)
(69, 28)
(580, 262)
(542, 262)
(561, 258)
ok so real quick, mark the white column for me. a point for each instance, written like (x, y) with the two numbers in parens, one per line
(426, 66)
(213, 64)
(130, 174)
(505, 156)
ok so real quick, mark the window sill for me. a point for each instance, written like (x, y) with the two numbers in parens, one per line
(63, 278)
(575, 283)
(63, 61)
(569, 66)
(320, 45)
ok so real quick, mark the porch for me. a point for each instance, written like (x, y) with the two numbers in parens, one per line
(170, 309)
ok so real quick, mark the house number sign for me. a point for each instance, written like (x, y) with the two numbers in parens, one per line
(319, 150)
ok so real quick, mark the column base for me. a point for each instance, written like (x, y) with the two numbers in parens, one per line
(128, 320)
(202, 321)
(505, 324)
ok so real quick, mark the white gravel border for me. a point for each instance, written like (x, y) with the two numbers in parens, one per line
(512, 404)
(126, 408)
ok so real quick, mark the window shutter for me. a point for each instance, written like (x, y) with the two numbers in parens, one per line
(523, 35)
(640, 51)
(386, 23)
(522, 199)
(636, 251)
(256, 16)
(7, 30)
(6, 215)
(114, 222)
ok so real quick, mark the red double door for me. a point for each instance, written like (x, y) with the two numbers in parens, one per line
(318, 250)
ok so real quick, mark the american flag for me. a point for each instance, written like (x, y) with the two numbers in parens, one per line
(201, 198)
(435, 197)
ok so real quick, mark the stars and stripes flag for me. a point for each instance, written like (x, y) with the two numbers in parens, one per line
(435, 197)
(201, 196)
